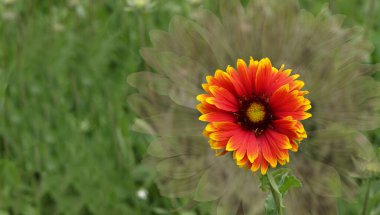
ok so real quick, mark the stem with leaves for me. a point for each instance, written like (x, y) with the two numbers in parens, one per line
(278, 182)
(277, 197)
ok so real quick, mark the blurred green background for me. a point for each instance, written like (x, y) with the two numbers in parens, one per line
(65, 143)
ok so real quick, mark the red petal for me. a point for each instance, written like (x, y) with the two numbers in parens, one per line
(285, 103)
(264, 167)
(224, 131)
(263, 76)
(294, 145)
(274, 142)
(256, 164)
(252, 148)
(223, 99)
(286, 126)
(235, 141)
(236, 82)
(217, 117)
(282, 141)
(268, 154)
(245, 77)
(217, 144)
(206, 108)
(222, 79)
(241, 151)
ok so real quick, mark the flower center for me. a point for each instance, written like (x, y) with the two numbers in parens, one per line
(256, 112)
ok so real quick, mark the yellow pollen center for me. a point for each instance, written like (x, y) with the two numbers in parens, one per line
(256, 112)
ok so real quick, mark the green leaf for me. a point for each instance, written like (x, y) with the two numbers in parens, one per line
(290, 181)
(283, 179)
(264, 184)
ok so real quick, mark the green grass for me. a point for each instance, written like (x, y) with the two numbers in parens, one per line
(65, 142)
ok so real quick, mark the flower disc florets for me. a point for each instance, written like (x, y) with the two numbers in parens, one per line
(254, 114)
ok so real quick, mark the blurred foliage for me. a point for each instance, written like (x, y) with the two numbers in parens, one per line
(65, 143)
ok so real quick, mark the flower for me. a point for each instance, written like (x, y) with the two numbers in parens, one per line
(142, 194)
(255, 112)
(139, 5)
(329, 57)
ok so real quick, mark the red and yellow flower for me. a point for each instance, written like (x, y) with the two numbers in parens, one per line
(254, 111)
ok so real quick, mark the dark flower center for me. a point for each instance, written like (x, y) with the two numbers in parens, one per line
(254, 114)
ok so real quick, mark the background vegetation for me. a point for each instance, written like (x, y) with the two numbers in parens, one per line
(65, 143)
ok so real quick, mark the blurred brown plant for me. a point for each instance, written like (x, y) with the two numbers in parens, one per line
(330, 58)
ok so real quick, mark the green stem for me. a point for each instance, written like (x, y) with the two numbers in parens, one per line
(276, 194)
(370, 18)
(142, 31)
(365, 204)
(332, 6)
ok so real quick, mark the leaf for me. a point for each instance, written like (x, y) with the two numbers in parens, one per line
(264, 184)
(283, 179)
(290, 181)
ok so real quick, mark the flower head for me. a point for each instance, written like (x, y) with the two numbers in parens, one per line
(254, 111)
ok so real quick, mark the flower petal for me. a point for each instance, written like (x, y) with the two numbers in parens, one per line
(276, 142)
(264, 167)
(285, 103)
(241, 151)
(217, 117)
(236, 141)
(267, 151)
(263, 75)
(206, 108)
(222, 79)
(224, 131)
(252, 148)
(223, 99)
(246, 76)
(282, 141)
(236, 81)
(286, 126)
